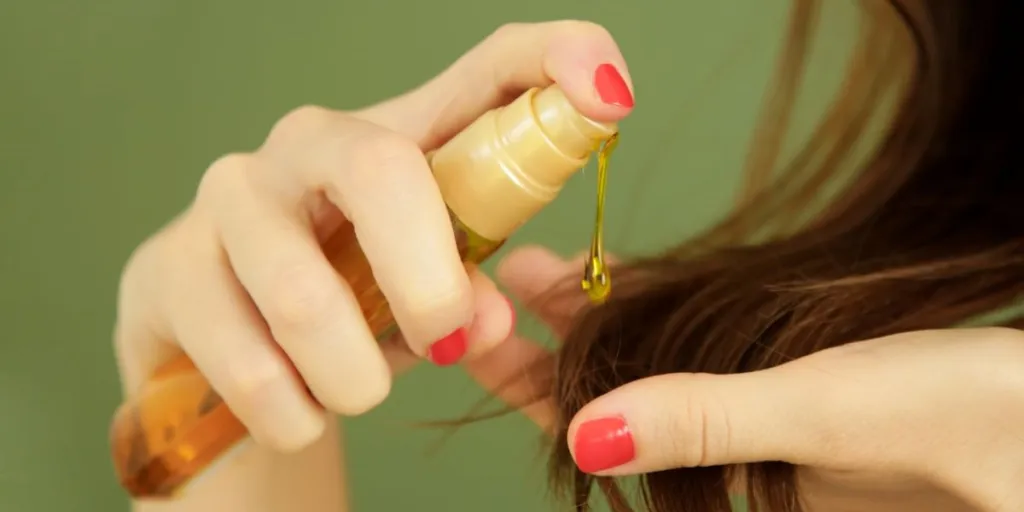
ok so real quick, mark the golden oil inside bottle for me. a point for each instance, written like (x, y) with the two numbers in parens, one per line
(597, 280)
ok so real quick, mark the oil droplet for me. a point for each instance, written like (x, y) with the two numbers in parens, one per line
(597, 280)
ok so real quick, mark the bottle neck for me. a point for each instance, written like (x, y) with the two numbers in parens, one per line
(511, 162)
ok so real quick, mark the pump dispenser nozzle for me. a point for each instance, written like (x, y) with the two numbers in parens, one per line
(512, 161)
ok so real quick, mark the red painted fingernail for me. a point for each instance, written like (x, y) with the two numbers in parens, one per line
(611, 87)
(449, 350)
(603, 444)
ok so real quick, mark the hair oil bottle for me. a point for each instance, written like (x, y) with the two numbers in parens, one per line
(494, 176)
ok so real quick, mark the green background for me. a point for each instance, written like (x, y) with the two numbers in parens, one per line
(111, 110)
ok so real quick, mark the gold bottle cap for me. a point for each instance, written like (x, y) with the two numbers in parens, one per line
(512, 161)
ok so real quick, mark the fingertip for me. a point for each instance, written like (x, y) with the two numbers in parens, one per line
(432, 322)
(495, 322)
(527, 263)
(603, 438)
(495, 315)
(449, 349)
(586, 62)
(613, 88)
(601, 444)
(287, 424)
(372, 392)
(292, 443)
(350, 377)
(692, 420)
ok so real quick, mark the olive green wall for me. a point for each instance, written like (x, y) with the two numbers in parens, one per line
(110, 110)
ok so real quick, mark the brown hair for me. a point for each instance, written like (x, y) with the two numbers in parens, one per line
(927, 233)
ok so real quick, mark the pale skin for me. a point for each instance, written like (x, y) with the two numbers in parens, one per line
(918, 421)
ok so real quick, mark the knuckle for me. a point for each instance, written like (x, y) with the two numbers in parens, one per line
(513, 33)
(153, 281)
(508, 31)
(298, 121)
(245, 385)
(300, 299)
(701, 434)
(379, 154)
(827, 438)
(375, 162)
(224, 175)
(448, 292)
(137, 270)
(508, 40)
(580, 28)
(1006, 338)
(437, 311)
(293, 441)
(287, 444)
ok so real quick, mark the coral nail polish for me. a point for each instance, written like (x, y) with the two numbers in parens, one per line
(611, 87)
(603, 444)
(450, 349)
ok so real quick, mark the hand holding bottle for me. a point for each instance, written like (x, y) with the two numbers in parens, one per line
(239, 281)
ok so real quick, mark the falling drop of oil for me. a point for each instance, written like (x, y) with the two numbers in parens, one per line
(597, 280)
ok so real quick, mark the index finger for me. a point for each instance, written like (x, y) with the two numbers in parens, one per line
(582, 57)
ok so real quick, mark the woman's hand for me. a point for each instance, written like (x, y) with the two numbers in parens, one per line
(930, 420)
(239, 282)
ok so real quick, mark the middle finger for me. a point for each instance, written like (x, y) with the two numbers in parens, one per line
(383, 185)
(312, 313)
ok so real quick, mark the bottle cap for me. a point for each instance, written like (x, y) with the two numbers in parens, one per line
(512, 161)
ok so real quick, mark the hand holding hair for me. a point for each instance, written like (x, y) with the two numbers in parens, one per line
(928, 420)
(944, 407)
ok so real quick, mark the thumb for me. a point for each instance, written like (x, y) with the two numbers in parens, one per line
(689, 420)
(580, 56)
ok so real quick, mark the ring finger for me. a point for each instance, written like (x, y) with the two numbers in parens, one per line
(222, 333)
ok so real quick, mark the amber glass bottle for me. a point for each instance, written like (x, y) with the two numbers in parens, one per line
(494, 175)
